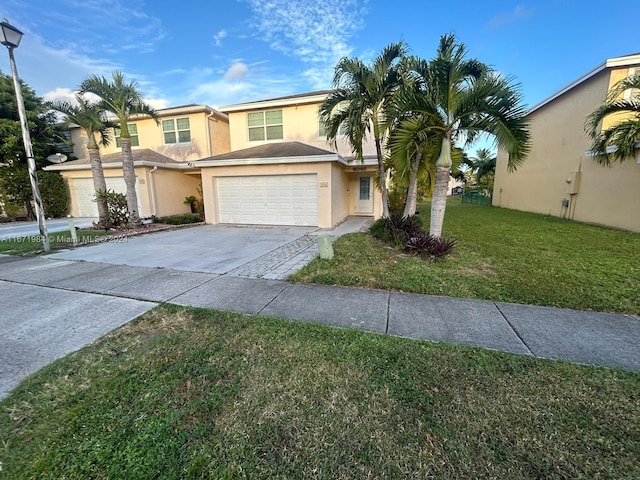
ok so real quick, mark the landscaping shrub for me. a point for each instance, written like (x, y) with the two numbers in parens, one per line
(430, 246)
(117, 212)
(55, 195)
(408, 234)
(396, 230)
(182, 219)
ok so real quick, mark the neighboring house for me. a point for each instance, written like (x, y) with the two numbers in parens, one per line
(559, 177)
(163, 154)
(282, 171)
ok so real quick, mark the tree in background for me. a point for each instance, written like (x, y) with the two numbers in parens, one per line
(15, 187)
(91, 118)
(358, 105)
(483, 166)
(123, 100)
(619, 142)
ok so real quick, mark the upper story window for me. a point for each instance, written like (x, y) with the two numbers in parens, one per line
(176, 130)
(631, 92)
(265, 125)
(133, 132)
(321, 130)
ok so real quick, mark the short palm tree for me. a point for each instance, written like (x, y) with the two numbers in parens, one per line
(357, 106)
(620, 141)
(484, 166)
(90, 118)
(123, 100)
(458, 100)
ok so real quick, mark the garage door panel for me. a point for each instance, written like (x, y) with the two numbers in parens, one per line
(83, 194)
(268, 199)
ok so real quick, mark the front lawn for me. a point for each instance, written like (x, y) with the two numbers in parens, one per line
(186, 393)
(33, 243)
(501, 255)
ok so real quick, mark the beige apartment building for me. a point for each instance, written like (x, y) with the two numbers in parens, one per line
(559, 177)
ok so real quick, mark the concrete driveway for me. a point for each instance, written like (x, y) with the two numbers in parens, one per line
(217, 249)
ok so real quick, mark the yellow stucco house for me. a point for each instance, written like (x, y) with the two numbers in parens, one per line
(281, 170)
(559, 177)
(163, 155)
(266, 162)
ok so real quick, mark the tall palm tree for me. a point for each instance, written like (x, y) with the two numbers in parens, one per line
(123, 100)
(91, 119)
(620, 141)
(357, 106)
(459, 99)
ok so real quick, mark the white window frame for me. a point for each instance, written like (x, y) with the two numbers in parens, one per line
(135, 139)
(264, 126)
(175, 131)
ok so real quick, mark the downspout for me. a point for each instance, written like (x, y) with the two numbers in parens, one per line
(152, 186)
(209, 133)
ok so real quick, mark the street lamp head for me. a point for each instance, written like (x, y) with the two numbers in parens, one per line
(10, 36)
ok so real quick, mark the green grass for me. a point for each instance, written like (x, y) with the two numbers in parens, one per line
(33, 243)
(186, 393)
(502, 255)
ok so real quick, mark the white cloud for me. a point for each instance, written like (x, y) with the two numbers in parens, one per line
(236, 72)
(60, 95)
(317, 33)
(157, 103)
(520, 12)
(219, 36)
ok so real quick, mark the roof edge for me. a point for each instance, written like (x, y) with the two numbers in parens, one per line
(609, 63)
(141, 163)
(311, 97)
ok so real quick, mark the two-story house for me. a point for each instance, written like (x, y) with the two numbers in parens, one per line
(163, 152)
(559, 177)
(282, 171)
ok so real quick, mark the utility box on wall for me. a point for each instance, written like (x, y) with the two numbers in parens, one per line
(573, 182)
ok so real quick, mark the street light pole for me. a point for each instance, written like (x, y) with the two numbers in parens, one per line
(11, 38)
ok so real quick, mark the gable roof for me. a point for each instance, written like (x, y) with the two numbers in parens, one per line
(624, 61)
(279, 152)
(141, 157)
(289, 100)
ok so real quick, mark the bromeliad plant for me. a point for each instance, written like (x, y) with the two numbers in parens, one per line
(429, 246)
(406, 233)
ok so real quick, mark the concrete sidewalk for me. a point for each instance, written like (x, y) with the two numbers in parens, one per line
(578, 336)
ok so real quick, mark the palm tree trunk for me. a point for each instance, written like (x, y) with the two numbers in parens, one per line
(412, 193)
(383, 180)
(99, 184)
(129, 173)
(439, 199)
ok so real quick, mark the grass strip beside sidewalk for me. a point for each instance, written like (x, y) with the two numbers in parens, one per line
(188, 393)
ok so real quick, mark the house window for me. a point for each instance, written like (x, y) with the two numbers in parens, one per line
(321, 130)
(265, 125)
(631, 92)
(176, 130)
(133, 132)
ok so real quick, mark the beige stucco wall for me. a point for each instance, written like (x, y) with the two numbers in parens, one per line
(219, 134)
(324, 171)
(607, 196)
(204, 130)
(171, 188)
(300, 123)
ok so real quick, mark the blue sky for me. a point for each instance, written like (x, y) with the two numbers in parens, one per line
(224, 52)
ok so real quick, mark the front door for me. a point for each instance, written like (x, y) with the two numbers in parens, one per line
(364, 195)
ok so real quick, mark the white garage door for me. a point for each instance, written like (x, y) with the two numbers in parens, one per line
(83, 194)
(269, 199)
